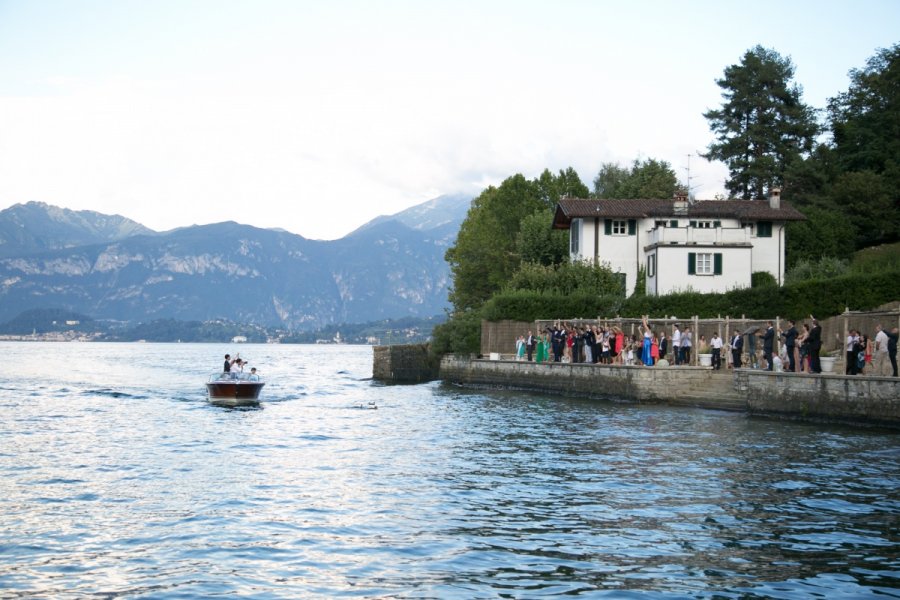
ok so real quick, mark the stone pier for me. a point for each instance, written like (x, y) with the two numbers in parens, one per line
(404, 363)
(828, 398)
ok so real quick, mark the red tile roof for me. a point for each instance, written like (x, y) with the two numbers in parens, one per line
(744, 210)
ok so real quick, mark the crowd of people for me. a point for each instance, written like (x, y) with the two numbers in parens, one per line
(799, 352)
(870, 356)
(604, 344)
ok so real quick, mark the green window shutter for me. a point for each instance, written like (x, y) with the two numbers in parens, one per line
(692, 263)
(764, 229)
(717, 223)
(607, 226)
(693, 223)
(632, 226)
(717, 263)
(673, 223)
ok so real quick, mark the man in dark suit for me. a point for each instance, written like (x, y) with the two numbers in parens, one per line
(790, 341)
(768, 345)
(737, 348)
(530, 344)
(815, 346)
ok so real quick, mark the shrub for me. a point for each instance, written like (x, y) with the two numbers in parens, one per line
(876, 259)
(826, 267)
(566, 278)
(460, 334)
(762, 279)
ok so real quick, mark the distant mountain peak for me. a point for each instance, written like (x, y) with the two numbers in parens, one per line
(449, 209)
(38, 226)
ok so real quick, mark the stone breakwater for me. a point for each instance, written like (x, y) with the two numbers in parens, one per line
(822, 398)
(404, 363)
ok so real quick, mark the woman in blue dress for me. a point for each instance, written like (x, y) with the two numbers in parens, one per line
(646, 357)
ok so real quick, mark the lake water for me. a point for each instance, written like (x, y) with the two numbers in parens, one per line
(119, 479)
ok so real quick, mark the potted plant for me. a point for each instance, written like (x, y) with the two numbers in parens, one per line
(704, 355)
(828, 361)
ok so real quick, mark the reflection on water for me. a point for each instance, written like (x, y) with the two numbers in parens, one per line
(119, 478)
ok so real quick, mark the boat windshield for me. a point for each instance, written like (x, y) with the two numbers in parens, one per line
(235, 376)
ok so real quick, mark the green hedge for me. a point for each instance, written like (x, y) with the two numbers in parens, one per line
(526, 305)
(823, 298)
(819, 298)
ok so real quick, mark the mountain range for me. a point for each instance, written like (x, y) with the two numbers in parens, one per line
(110, 267)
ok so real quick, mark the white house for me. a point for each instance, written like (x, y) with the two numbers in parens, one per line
(704, 245)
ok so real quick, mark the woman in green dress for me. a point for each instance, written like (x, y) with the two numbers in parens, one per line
(541, 349)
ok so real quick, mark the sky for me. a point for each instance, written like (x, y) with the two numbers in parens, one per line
(316, 117)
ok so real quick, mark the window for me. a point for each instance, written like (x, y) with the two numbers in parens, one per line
(651, 265)
(704, 263)
(702, 224)
(575, 237)
(673, 223)
(764, 229)
(620, 227)
(659, 223)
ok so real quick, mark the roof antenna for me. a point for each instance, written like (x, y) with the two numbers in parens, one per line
(691, 199)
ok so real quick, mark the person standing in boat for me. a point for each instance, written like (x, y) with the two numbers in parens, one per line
(228, 363)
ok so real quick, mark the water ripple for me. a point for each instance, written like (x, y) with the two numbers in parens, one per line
(113, 487)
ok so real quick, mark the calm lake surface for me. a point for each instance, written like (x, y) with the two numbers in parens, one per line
(119, 479)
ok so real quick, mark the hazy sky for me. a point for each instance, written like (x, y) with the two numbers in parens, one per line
(318, 116)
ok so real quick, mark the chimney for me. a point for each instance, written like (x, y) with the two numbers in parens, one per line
(775, 199)
(681, 201)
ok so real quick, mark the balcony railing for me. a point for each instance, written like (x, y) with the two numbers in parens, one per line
(695, 235)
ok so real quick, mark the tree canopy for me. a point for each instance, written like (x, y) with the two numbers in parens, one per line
(849, 186)
(645, 179)
(506, 225)
(763, 126)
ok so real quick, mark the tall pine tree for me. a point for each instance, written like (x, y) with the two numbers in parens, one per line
(763, 126)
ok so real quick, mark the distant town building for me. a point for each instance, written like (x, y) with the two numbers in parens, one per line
(239, 339)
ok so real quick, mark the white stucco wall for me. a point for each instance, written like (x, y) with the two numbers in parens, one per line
(768, 253)
(742, 253)
(672, 270)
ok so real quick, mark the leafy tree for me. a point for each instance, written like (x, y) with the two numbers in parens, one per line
(538, 242)
(609, 180)
(865, 120)
(763, 126)
(553, 187)
(869, 204)
(825, 232)
(484, 255)
(650, 178)
(489, 246)
(865, 125)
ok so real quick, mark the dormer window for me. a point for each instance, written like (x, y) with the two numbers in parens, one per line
(620, 227)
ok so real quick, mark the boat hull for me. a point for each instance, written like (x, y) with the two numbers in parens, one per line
(234, 392)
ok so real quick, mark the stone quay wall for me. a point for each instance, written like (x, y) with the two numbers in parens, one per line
(404, 363)
(838, 398)
(822, 398)
(684, 386)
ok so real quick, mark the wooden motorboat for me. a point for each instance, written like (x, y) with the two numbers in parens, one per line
(234, 388)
